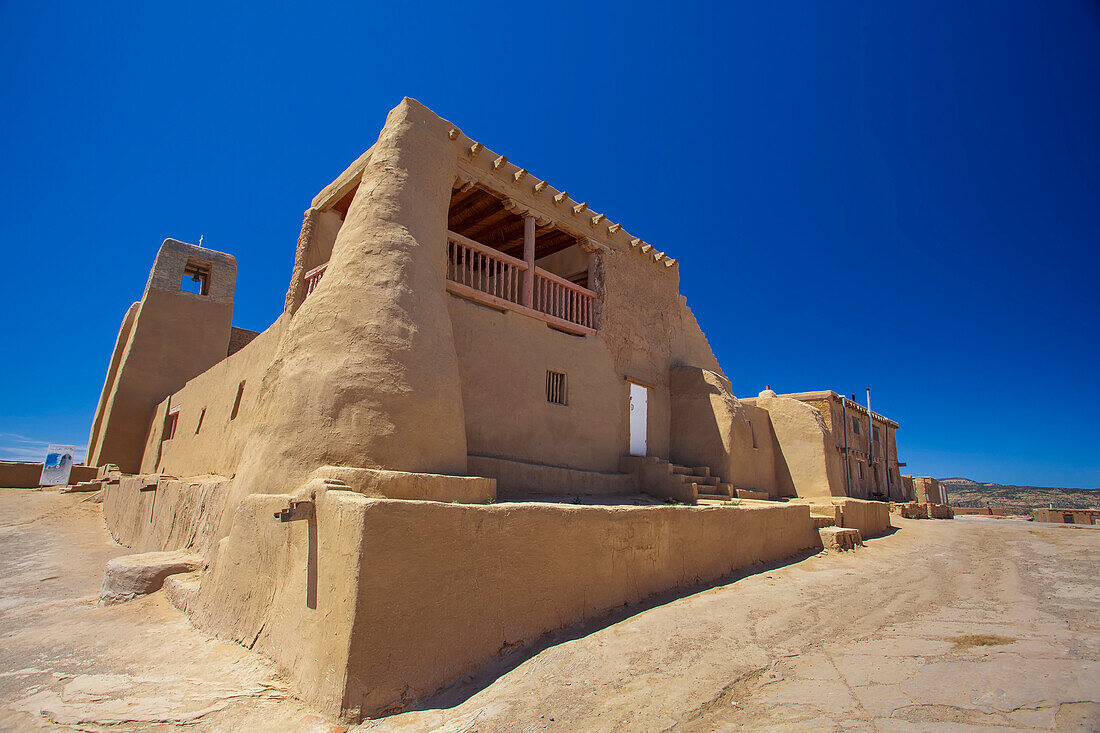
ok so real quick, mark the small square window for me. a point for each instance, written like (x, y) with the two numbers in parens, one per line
(196, 278)
(556, 388)
(855, 426)
(877, 437)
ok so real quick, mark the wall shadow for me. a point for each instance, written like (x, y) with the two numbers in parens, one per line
(456, 693)
(311, 562)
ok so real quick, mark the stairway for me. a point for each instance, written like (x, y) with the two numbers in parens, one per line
(672, 482)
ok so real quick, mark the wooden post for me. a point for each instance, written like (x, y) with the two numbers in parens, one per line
(529, 258)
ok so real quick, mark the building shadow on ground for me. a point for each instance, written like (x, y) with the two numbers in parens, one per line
(458, 692)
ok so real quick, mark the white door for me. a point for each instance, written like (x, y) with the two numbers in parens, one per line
(639, 396)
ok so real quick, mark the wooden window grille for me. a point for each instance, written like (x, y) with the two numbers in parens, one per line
(556, 388)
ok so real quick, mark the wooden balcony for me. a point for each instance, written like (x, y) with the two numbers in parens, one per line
(313, 277)
(486, 275)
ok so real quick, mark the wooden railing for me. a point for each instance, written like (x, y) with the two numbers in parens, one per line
(560, 298)
(484, 269)
(489, 276)
(313, 277)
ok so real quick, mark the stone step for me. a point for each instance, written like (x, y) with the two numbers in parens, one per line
(840, 538)
(749, 494)
(81, 487)
(820, 521)
(709, 481)
(700, 471)
(182, 590)
(130, 576)
(714, 497)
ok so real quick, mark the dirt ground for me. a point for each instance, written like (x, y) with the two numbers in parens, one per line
(960, 625)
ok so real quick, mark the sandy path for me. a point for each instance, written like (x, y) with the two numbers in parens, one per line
(943, 625)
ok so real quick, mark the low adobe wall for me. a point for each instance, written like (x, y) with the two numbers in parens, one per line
(871, 518)
(381, 484)
(374, 603)
(940, 511)
(27, 475)
(917, 510)
(1079, 516)
(989, 511)
(175, 515)
(533, 478)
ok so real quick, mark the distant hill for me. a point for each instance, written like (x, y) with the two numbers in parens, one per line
(963, 492)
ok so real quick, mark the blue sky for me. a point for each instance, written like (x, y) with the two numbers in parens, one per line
(904, 195)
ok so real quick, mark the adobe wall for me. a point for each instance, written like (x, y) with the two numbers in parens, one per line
(28, 475)
(644, 329)
(859, 446)
(172, 336)
(288, 590)
(121, 341)
(928, 490)
(533, 478)
(1079, 516)
(809, 456)
(871, 518)
(991, 511)
(908, 491)
(20, 474)
(216, 446)
(710, 427)
(240, 338)
(401, 623)
(502, 360)
(366, 373)
(167, 515)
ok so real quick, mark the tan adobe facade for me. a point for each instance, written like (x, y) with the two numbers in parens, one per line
(460, 342)
(925, 489)
(1066, 516)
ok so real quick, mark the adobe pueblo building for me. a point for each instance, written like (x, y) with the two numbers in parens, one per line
(486, 412)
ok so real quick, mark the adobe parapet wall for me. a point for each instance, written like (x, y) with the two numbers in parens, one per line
(370, 604)
(368, 621)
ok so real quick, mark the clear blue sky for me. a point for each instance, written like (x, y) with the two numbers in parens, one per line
(904, 195)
